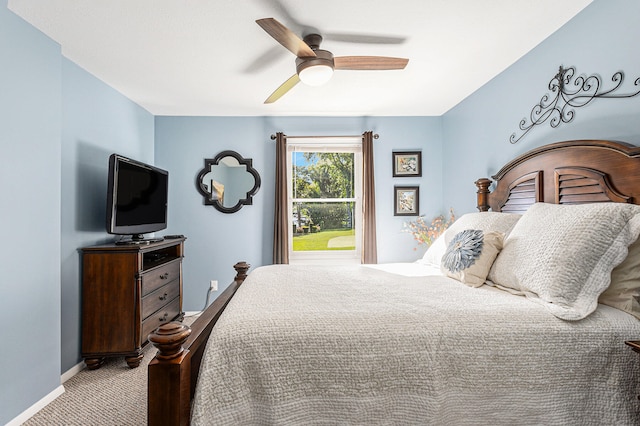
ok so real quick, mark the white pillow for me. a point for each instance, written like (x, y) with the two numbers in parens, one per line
(624, 291)
(484, 221)
(562, 255)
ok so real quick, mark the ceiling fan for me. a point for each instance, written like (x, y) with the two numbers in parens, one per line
(315, 66)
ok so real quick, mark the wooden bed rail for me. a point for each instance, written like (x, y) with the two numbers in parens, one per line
(173, 373)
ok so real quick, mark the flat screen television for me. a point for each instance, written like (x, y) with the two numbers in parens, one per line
(137, 198)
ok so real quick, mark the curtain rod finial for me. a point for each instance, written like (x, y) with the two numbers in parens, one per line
(273, 137)
(376, 136)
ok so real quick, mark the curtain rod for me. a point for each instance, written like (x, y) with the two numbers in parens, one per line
(375, 136)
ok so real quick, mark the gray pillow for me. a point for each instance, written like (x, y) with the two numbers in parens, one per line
(470, 255)
(484, 221)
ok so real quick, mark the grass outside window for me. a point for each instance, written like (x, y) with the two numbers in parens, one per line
(342, 239)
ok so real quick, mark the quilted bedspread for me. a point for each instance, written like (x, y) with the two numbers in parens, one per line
(305, 345)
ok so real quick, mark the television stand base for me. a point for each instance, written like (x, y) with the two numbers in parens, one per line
(139, 242)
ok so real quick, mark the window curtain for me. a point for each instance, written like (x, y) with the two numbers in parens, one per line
(280, 226)
(369, 244)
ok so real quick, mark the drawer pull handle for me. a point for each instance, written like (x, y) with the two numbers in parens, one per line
(164, 317)
(164, 296)
(164, 276)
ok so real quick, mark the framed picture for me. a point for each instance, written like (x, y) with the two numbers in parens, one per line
(406, 200)
(407, 163)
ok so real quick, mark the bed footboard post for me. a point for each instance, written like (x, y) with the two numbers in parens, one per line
(172, 404)
(241, 270)
(483, 194)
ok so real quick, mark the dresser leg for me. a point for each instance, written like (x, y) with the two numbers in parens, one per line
(94, 363)
(133, 360)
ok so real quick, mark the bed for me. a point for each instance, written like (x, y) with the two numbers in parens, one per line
(532, 331)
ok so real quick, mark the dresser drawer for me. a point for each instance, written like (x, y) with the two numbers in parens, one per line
(157, 299)
(156, 319)
(156, 278)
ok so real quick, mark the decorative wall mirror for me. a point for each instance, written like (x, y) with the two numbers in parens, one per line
(228, 181)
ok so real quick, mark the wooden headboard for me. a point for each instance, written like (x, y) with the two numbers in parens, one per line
(571, 172)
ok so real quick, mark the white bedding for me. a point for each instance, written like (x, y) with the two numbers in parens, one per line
(360, 345)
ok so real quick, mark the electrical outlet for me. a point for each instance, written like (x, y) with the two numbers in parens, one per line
(214, 285)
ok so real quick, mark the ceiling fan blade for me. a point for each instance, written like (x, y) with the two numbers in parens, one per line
(286, 37)
(369, 63)
(363, 38)
(284, 88)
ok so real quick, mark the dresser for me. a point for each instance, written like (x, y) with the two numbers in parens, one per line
(127, 292)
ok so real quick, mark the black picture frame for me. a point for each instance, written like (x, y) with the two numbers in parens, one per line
(407, 163)
(406, 200)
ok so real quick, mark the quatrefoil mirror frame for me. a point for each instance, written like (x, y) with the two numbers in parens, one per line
(210, 199)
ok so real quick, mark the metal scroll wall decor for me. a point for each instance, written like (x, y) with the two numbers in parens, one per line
(568, 93)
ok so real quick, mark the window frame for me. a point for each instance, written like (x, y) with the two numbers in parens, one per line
(327, 144)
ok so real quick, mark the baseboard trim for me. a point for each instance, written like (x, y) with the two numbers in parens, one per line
(31, 411)
(72, 371)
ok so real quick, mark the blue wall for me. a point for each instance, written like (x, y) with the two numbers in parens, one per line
(30, 209)
(96, 122)
(59, 126)
(602, 39)
(216, 240)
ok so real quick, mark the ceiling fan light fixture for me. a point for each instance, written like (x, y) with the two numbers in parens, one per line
(315, 71)
(315, 75)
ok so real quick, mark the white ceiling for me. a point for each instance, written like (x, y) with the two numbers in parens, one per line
(209, 57)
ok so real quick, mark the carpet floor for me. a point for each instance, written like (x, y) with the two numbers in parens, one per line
(114, 394)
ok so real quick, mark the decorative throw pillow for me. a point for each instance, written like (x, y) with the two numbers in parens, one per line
(624, 291)
(562, 255)
(470, 255)
(484, 221)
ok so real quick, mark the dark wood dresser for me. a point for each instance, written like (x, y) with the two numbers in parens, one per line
(127, 292)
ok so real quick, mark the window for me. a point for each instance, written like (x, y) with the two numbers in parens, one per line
(325, 200)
